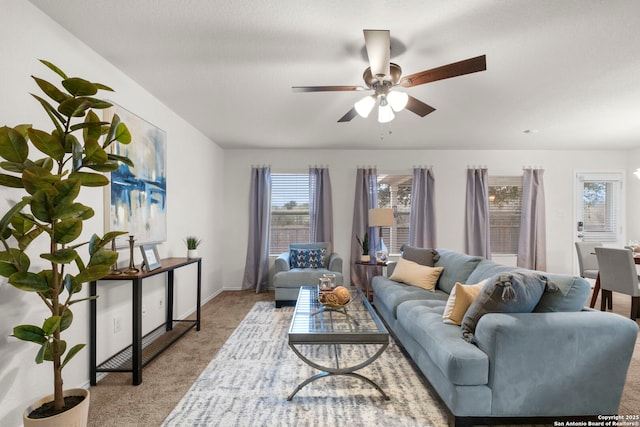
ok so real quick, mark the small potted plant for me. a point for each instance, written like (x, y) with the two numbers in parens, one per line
(48, 169)
(192, 246)
(364, 244)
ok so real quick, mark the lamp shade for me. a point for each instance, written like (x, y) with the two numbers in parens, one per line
(380, 217)
(385, 113)
(364, 106)
(397, 100)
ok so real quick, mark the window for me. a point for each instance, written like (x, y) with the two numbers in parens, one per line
(289, 211)
(599, 206)
(505, 201)
(394, 191)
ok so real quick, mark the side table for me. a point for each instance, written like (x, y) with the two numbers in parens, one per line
(368, 291)
(143, 349)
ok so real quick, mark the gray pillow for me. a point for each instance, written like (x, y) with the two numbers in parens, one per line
(506, 293)
(423, 256)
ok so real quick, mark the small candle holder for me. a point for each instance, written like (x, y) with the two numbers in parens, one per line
(114, 267)
(132, 267)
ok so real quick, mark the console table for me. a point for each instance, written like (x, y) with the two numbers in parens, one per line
(143, 349)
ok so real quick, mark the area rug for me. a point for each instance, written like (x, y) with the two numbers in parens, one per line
(248, 381)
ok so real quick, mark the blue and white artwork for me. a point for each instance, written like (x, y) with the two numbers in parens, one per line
(138, 195)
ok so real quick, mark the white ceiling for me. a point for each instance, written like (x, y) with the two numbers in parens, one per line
(567, 70)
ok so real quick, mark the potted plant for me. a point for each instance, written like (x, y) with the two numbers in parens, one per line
(364, 244)
(49, 169)
(192, 246)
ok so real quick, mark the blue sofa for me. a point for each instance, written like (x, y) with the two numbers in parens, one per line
(559, 361)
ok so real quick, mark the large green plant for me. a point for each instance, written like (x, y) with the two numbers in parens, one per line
(72, 155)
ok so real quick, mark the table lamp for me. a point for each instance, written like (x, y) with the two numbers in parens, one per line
(381, 217)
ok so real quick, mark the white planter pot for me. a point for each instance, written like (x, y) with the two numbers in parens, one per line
(78, 416)
(365, 258)
(192, 253)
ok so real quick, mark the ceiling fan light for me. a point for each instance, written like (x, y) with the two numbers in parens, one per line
(385, 112)
(398, 100)
(364, 106)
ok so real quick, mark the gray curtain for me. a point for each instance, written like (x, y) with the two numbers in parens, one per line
(257, 264)
(532, 248)
(366, 197)
(321, 206)
(422, 221)
(477, 229)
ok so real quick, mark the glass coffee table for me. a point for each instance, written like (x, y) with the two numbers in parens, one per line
(356, 323)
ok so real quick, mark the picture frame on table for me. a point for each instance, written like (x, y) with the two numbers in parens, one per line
(150, 257)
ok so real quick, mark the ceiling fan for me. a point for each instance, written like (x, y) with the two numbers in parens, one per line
(382, 76)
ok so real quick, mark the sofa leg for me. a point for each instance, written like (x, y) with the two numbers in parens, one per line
(278, 304)
(460, 421)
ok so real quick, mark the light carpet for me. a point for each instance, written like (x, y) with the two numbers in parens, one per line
(248, 382)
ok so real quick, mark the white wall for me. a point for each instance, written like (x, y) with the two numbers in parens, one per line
(195, 185)
(449, 168)
(633, 196)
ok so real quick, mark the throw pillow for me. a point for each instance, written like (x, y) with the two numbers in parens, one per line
(459, 301)
(423, 256)
(412, 273)
(307, 258)
(506, 293)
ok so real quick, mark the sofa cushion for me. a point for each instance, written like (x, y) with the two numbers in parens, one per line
(423, 256)
(412, 273)
(506, 293)
(573, 294)
(297, 277)
(307, 258)
(462, 363)
(457, 268)
(486, 269)
(392, 294)
(460, 300)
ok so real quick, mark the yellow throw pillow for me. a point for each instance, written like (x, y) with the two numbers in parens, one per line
(459, 301)
(412, 273)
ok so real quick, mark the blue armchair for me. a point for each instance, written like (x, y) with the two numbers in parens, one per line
(303, 265)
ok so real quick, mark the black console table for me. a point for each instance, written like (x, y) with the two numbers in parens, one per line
(143, 349)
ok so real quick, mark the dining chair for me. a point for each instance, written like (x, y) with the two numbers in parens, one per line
(618, 274)
(587, 260)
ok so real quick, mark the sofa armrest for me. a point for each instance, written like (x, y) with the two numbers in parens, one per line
(282, 263)
(335, 263)
(547, 364)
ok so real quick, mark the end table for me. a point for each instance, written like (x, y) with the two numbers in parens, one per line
(368, 291)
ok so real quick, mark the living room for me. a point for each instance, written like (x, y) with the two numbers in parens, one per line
(208, 184)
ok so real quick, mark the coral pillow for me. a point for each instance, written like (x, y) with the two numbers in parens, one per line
(459, 301)
(414, 274)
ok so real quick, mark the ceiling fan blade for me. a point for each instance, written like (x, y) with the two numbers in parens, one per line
(419, 107)
(326, 88)
(468, 66)
(347, 117)
(378, 43)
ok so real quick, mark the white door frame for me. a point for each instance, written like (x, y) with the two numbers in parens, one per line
(579, 178)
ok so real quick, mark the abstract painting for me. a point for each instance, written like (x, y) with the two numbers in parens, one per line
(137, 196)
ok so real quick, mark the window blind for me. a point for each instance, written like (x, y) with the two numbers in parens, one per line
(505, 202)
(289, 211)
(600, 195)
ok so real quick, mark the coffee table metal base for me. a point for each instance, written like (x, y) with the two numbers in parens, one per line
(328, 371)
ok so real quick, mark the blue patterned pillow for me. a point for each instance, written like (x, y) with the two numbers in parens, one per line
(307, 258)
